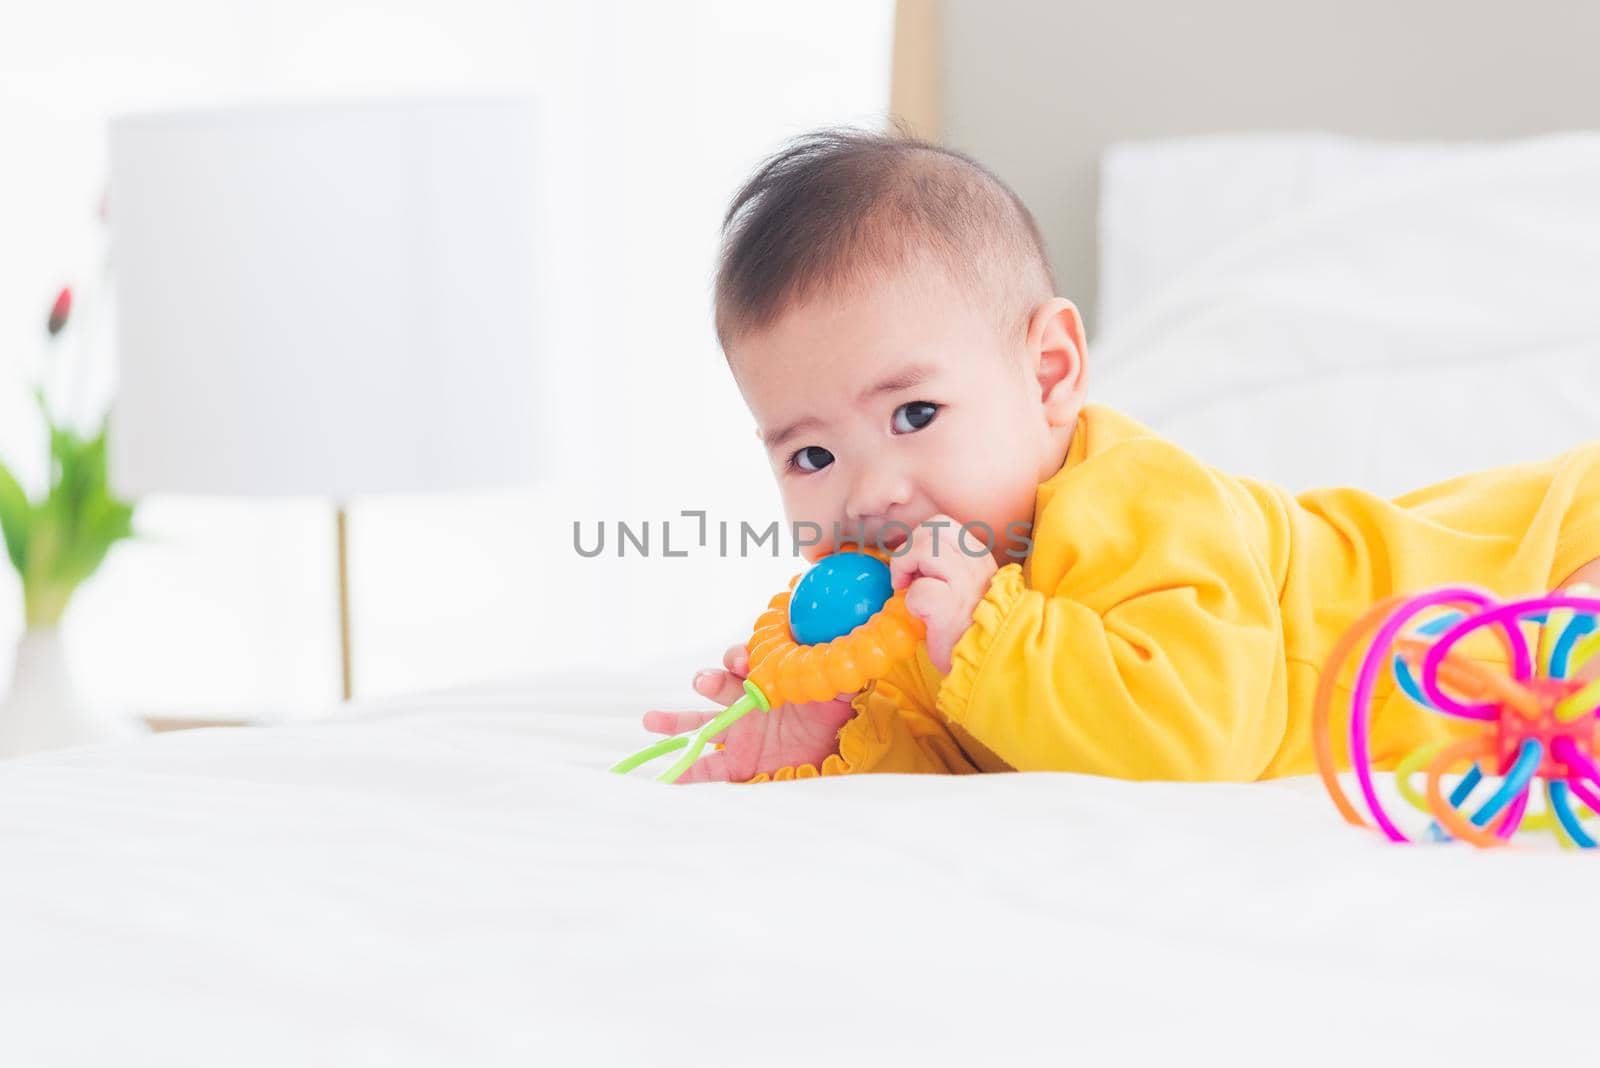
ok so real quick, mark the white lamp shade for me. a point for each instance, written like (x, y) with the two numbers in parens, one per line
(330, 299)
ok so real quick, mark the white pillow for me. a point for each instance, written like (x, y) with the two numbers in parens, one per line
(1426, 321)
(1166, 205)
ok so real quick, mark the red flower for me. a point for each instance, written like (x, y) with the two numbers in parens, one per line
(59, 311)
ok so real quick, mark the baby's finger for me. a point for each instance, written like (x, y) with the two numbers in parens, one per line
(660, 722)
(723, 687)
(929, 598)
(933, 552)
(916, 555)
(933, 601)
(737, 660)
(713, 767)
(903, 567)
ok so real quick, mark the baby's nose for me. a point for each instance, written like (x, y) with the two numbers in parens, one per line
(875, 494)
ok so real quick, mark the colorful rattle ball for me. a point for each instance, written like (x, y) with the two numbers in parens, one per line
(1537, 714)
(836, 596)
(837, 628)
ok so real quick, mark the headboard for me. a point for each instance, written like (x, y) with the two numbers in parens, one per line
(1037, 89)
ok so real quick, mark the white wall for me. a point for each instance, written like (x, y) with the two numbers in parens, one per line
(650, 116)
(1038, 90)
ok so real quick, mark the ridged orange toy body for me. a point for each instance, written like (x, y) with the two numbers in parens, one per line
(790, 673)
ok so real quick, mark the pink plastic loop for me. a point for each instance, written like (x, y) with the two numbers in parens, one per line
(1377, 658)
(1505, 617)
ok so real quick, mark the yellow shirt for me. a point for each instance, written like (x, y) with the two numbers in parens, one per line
(1171, 620)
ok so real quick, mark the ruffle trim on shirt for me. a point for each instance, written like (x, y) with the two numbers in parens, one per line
(970, 652)
(862, 739)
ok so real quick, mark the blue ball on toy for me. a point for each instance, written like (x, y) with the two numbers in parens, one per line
(836, 596)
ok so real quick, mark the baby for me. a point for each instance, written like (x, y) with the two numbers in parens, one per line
(1096, 599)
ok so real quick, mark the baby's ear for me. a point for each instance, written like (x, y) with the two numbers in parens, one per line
(1059, 352)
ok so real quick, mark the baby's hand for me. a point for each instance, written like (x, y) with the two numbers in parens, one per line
(760, 742)
(943, 588)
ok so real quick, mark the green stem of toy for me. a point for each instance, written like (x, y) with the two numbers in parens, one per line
(753, 699)
(649, 753)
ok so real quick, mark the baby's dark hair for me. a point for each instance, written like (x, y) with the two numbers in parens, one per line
(838, 206)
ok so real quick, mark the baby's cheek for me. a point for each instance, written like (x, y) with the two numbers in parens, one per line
(798, 506)
(811, 514)
(985, 514)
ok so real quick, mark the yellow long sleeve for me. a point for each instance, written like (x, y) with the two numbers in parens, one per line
(1146, 642)
(1050, 685)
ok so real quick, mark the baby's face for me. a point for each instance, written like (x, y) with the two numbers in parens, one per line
(902, 402)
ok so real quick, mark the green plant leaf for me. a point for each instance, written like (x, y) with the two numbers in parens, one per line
(104, 523)
(15, 518)
(75, 526)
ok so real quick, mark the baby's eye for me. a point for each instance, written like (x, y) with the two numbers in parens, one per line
(909, 418)
(811, 458)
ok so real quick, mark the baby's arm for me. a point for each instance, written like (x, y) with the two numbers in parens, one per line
(1156, 654)
(759, 741)
(1178, 683)
(1587, 575)
(877, 730)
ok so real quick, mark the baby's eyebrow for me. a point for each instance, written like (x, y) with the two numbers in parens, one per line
(773, 438)
(904, 378)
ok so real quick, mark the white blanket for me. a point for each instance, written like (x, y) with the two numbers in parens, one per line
(457, 881)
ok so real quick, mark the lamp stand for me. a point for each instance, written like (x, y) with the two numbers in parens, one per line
(341, 521)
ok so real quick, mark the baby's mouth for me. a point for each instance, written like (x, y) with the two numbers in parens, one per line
(888, 538)
(891, 536)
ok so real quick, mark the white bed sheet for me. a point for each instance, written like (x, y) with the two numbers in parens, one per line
(455, 880)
